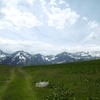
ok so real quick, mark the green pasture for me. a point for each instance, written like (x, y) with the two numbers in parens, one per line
(71, 81)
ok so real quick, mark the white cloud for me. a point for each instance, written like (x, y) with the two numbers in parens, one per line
(94, 36)
(4, 24)
(79, 48)
(85, 18)
(41, 16)
(90, 37)
(93, 24)
(43, 3)
(61, 17)
(67, 5)
(15, 3)
(31, 1)
(23, 15)
(13, 17)
(19, 19)
(61, 2)
(8, 45)
(53, 2)
(26, 45)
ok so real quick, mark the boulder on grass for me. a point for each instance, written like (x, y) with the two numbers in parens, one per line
(42, 84)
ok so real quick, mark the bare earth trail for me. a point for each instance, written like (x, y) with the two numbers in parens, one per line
(6, 83)
(19, 87)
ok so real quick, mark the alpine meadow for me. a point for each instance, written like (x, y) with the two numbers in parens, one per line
(71, 81)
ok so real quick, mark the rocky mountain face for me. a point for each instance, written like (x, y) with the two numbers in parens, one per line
(3, 56)
(21, 58)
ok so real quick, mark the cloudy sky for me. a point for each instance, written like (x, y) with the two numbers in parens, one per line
(49, 26)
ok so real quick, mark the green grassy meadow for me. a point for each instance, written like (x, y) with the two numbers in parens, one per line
(71, 81)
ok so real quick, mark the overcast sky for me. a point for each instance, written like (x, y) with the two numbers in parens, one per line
(49, 26)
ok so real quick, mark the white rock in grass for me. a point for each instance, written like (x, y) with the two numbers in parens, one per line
(42, 84)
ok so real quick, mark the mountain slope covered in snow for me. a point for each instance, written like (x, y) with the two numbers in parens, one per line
(21, 58)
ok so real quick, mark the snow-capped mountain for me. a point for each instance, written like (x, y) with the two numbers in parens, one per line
(18, 58)
(64, 57)
(2, 56)
(21, 58)
(82, 55)
(38, 59)
(95, 54)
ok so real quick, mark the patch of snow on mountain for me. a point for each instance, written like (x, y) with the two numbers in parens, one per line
(17, 55)
(53, 58)
(43, 57)
(27, 55)
(95, 54)
(22, 58)
(49, 58)
(61, 62)
(2, 56)
(81, 54)
(46, 58)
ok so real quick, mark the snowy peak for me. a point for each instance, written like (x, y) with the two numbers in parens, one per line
(82, 53)
(21, 55)
(95, 54)
(18, 58)
(64, 57)
(21, 58)
(49, 58)
(2, 56)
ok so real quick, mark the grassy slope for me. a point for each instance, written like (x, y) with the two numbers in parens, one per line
(81, 79)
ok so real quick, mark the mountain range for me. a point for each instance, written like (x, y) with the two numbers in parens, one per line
(22, 58)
